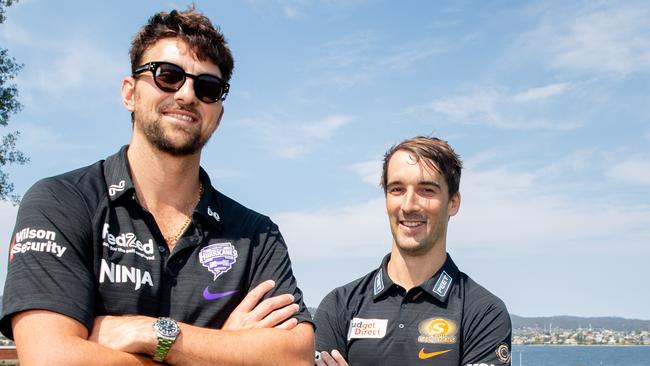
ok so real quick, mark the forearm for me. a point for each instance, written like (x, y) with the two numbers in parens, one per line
(72, 351)
(200, 346)
(45, 338)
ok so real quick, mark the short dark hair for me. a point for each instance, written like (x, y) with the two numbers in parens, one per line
(435, 153)
(192, 27)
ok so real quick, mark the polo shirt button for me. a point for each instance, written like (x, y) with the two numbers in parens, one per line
(403, 306)
(161, 248)
(401, 326)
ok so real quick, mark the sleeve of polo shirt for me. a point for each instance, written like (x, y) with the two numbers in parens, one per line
(274, 264)
(50, 255)
(487, 333)
(330, 325)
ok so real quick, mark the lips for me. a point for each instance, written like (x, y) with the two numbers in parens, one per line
(182, 117)
(184, 113)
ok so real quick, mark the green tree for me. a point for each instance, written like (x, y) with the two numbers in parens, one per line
(9, 105)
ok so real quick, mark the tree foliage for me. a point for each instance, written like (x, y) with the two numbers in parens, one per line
(9, 105)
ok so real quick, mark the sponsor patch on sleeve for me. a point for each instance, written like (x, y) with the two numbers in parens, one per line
(35, 240)
(503, 352)
(367, 328)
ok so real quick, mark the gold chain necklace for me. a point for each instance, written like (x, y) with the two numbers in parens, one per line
(171, 240)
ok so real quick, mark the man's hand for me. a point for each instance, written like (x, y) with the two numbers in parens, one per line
(335, 359)
(132, 334)
(274, 312)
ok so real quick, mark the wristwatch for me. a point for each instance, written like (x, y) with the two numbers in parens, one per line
(166, 330)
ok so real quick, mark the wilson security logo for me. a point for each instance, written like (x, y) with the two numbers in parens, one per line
(117, 273)
(35, 240)
(127, 243)
(437, 330)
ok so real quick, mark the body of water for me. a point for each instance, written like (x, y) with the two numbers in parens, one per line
(580, 355)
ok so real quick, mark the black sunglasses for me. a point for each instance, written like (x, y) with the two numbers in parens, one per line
(170, 78)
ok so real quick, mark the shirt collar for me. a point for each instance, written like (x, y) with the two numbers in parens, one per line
(117, 175)
(438, 286)
(381, 281)
(209, 209)
(118, 183)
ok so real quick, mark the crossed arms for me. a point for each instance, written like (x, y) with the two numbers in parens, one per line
(255, 333)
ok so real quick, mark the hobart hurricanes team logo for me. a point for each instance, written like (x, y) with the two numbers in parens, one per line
(218, 258)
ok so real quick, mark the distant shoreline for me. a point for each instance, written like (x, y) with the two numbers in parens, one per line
(579, 345)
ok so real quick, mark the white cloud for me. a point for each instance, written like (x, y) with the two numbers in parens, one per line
(73, 64)
(502, 209)
(512, 208)
(608, 37)
(635, 171)
(293, 140)
(492, 107)
(325, 128)
(351, 231)
(541, 93)
(44, 138)
(362, 56)
(369, 171)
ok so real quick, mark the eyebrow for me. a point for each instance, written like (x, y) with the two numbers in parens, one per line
(420, 183)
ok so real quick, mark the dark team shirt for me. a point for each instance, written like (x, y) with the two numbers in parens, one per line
(83, 246)
(448, 320)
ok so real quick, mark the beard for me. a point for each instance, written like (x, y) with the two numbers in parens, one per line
(158, 136)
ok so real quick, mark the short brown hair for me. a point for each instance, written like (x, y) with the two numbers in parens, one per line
(435, 153)
(190, 26)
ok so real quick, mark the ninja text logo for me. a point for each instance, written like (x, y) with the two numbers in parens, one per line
(36, 240)
(116, 273)
(127, 243)
(437, 330)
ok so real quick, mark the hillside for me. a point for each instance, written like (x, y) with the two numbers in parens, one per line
(575, 322)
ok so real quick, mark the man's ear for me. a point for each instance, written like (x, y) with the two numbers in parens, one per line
(454, 204)
(128, 93)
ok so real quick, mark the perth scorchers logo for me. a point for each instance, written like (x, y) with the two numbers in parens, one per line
(437, 330)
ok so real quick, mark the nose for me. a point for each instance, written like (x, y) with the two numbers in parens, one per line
(411, 201)
(186, 93)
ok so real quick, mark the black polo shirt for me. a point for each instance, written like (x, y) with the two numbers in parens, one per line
(448, 320)
(83, 246)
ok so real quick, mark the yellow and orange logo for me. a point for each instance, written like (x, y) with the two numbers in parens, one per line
(437, 330)
(424, 355)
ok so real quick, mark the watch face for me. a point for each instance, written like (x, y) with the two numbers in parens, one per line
(167, 327)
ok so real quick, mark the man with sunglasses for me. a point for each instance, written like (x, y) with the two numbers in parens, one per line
(137, 259)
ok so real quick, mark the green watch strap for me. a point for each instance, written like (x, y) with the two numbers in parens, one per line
(162, 349)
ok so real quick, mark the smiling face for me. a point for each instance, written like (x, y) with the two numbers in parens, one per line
(176, 123)
(418, 205)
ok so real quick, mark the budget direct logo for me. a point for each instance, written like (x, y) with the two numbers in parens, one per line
(367, 328)
(438, 331)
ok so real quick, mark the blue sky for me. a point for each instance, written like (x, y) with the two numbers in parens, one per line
(546, 102)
